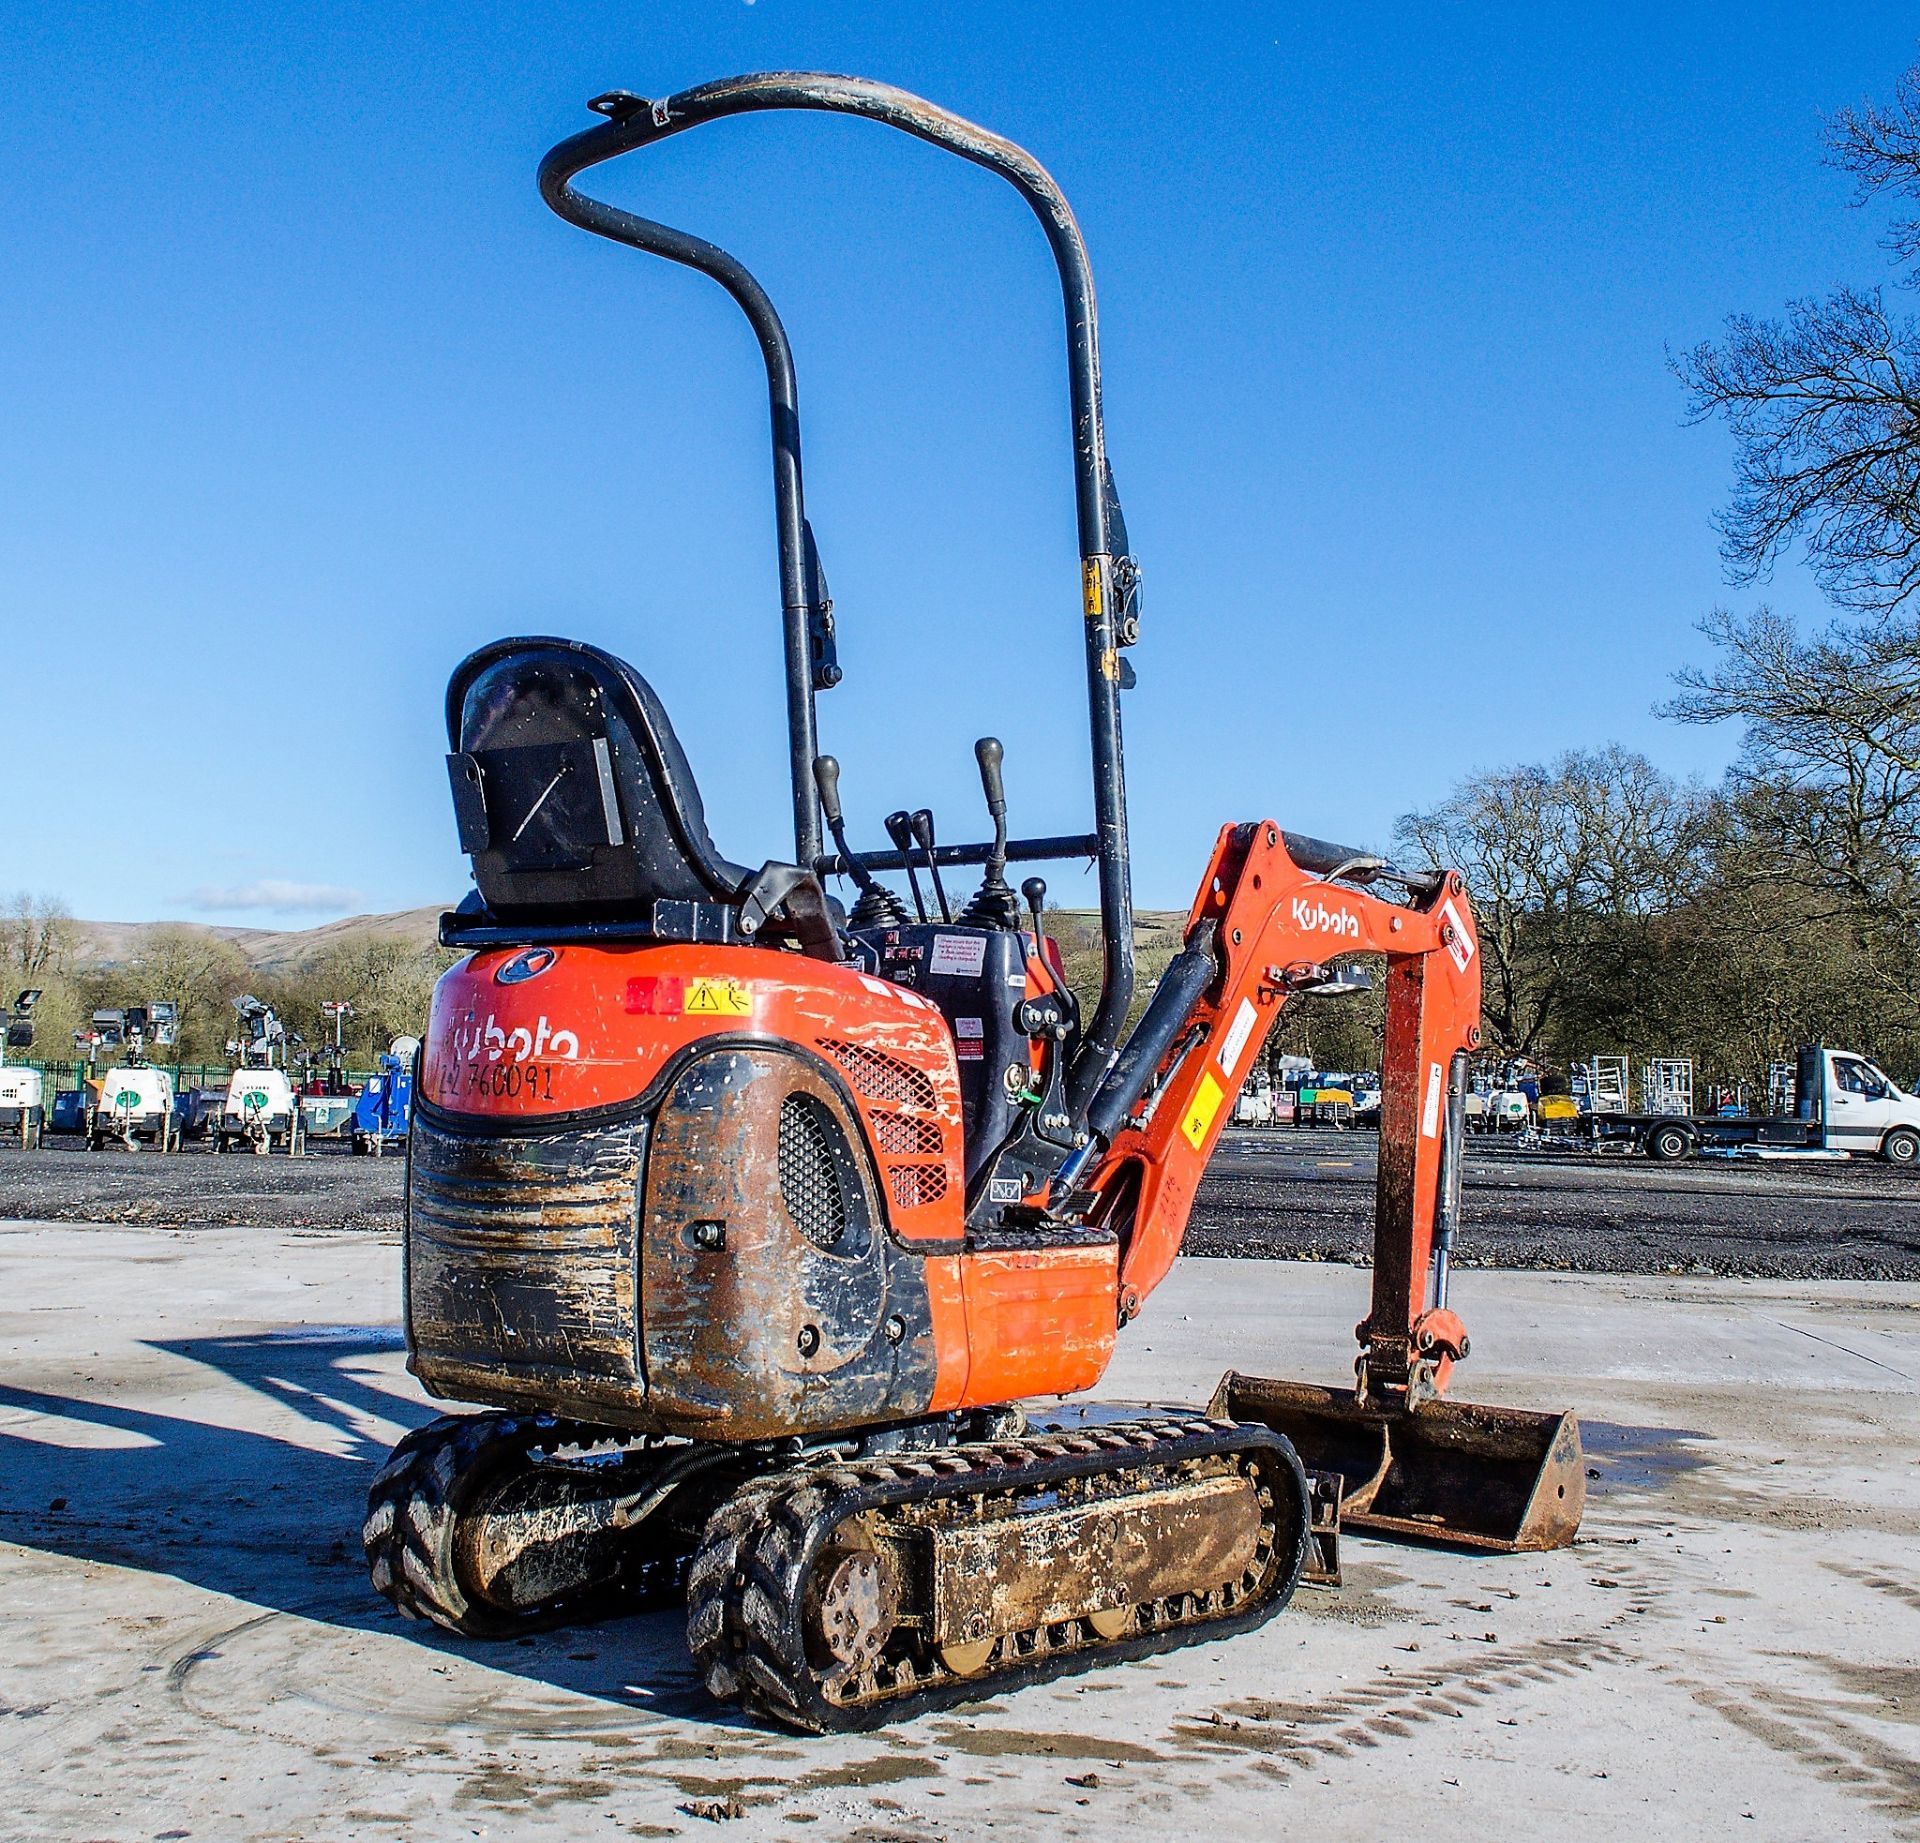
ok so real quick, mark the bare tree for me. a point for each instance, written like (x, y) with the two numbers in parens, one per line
(1824, 403)
(193, 969)
(388, 982)
(1880, 146)
(36, 937)
(1566, 863)
(1827, 784)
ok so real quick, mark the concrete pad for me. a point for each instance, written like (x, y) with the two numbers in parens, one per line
(188, 1423)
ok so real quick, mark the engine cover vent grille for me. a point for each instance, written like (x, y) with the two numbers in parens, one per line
(881, 1077)
(902, 1136)
(809, 1173)
(913, 1185)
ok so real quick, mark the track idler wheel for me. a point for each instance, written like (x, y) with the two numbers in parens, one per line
(493, 1525)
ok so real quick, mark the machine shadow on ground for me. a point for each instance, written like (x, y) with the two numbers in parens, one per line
(274, 1522)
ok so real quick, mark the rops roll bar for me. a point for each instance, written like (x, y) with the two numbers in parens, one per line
(1109, 578)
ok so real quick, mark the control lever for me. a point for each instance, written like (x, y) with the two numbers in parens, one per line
(921, 823)
(989, 754)
(826, 777)
(993, 904)
(878, 906)
(900, 829)
(1053, 1014)
(1035, 891)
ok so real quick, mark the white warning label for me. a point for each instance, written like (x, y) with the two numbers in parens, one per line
(1459, 941)
(960, 955)
(1235, 1041)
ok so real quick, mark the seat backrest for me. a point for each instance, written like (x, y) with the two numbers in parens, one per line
(570, 788)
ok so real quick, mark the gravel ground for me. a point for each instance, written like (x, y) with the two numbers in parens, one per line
(1279, 1194)
(192, 1188)
(1283, 1194)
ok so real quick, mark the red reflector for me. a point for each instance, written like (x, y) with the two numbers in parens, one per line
(656, 995)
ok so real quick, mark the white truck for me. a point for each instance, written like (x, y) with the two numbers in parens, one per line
(1843, 1106)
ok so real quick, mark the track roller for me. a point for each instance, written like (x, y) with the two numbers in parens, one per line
(840, 1596)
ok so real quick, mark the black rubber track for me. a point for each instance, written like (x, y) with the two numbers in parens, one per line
(413, 1511)
(747, 1587)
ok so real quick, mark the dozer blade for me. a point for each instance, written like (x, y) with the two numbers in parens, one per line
(1499, 1479)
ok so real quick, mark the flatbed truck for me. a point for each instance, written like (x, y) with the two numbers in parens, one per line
(1844, 1106)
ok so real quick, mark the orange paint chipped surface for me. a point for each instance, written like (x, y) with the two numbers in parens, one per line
(534, 1033)
(1040, 1322)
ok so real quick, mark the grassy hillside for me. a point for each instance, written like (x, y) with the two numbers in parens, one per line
(105, 945)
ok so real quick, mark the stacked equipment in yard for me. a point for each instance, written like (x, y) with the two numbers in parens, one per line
(132, 1104)
(384, 1107)
(23, 1113)
(1666, 1085)
(22, 1090)
(260, 1111)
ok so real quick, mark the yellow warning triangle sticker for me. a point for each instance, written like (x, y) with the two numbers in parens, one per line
(718, 998)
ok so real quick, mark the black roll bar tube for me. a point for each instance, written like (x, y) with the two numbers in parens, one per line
(1108, 575)
(797, 613)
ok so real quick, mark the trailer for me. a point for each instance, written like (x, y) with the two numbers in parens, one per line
(1844, 1106)
(1255, 1105)
(259, 1112)
(327, 1116)
(384, 1111)
(131, 1104)
(197, 1111)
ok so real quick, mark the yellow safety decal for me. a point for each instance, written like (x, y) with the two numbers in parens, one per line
(1090, 587)
(1206, 1103)
(718, 998)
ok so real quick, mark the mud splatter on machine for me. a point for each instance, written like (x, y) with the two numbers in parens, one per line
(754, 1221)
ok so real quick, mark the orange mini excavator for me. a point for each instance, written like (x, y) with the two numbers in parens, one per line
(753, 1222)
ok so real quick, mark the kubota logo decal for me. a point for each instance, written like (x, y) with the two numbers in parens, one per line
(528, 964)
(1317, 918)
(472, 1039)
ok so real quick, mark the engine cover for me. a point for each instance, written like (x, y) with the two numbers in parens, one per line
(648, 1193)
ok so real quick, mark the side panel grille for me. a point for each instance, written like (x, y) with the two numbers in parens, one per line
(881, 1077)
(902, 1136)
(912, 1185)
(809, 1176)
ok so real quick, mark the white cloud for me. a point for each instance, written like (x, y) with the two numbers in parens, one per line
(274, 893)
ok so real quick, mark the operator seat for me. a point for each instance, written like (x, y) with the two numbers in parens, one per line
(580, 815)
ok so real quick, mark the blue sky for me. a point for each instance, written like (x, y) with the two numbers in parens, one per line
(303, 393)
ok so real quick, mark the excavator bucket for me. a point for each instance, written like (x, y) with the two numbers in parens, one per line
(1499, 1479)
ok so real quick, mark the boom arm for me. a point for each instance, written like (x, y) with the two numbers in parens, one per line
(1268, 926)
